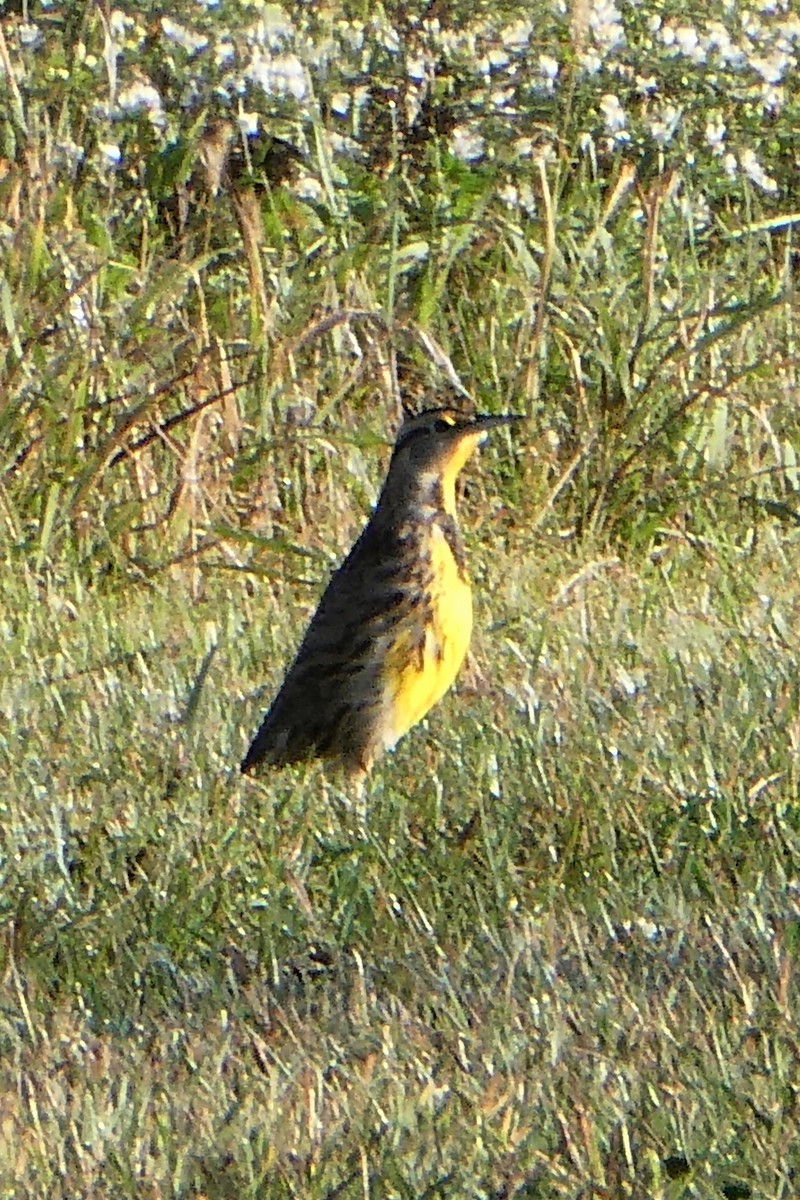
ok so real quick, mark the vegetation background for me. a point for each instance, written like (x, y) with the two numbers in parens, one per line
(564, 962)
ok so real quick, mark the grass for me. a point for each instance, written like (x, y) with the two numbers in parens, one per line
(562, 963)
(563, 957)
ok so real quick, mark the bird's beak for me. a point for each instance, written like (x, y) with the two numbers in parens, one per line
(485, 422)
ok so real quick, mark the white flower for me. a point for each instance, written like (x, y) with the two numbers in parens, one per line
(417, 68)
(388, 38)
(515, 37)
(650, 931)
(771, 68)
(279, 75)
(345, 147)
(185, 38)
(361, 97)
(772, 98)
(466, 144)
(548, 68)
(29, 34)
(715, 134)
(688, 42)
(730, 164)
(789, 31)
(702, 211)
(340, 103)
(493, 61)
(223, 52)
(663, 127)
(517, 197)
(508, 195)
(138, 97)
(754, 171)
(119, 23)
(110, 152)
(590, 61)
(613, 113)
(273, 27)
(308, 188)
(351, 34)
(696, 209)
(248, 123)
(752, 25)
(605, 23)
(717, 39)
(685, 40)
(77, 311)
(500, 97)
(457, 41)
(527, 199)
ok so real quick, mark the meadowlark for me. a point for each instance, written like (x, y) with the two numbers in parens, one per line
(394, 624)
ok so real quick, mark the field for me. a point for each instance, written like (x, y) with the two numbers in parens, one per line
(561, 961)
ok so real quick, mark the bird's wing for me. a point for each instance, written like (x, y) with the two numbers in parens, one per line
(331, 696)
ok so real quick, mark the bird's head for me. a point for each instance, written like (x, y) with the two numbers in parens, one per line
(434, 445)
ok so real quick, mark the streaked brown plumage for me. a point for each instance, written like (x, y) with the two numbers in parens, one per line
(394, 623)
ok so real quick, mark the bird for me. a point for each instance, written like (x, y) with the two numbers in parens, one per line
(394, 624)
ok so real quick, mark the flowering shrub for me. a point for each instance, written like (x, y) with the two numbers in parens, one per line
(711, 89)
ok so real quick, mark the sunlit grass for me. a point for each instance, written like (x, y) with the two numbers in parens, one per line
(563, 953)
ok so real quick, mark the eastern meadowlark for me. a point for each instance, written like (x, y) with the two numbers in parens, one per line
(394, 624)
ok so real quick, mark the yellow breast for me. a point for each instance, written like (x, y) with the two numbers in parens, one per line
(417, 676)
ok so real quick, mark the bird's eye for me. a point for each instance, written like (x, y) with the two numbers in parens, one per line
(442, 425)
